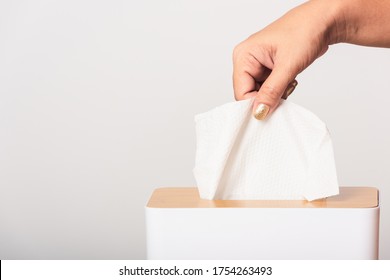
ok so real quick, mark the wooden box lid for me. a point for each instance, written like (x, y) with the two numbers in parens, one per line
(349, 197)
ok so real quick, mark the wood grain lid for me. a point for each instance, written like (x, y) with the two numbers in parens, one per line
(349, 197)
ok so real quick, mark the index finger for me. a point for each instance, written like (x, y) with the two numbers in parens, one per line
(248, 77)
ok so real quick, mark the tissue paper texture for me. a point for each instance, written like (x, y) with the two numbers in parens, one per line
(289, 156)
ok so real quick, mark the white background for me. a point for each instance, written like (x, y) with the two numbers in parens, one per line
(97, 100)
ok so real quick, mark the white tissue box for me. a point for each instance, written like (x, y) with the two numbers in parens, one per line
(180, 225)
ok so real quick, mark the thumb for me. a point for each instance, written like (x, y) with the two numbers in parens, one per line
(268, 97)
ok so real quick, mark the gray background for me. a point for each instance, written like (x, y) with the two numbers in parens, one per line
(97, 100)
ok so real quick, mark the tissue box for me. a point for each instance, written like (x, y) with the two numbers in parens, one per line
(180, 225)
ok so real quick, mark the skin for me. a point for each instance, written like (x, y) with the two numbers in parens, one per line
(266, 64)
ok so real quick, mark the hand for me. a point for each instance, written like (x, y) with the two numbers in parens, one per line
(267, 63)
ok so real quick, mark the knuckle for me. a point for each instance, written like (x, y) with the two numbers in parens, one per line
(239, 50)
(236, 51)
(270, 92)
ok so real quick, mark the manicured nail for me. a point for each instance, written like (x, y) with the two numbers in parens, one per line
(294, 83)
(261, 111)
(289, 90)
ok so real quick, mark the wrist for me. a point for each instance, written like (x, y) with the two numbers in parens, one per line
(360, 22)
(338, 26)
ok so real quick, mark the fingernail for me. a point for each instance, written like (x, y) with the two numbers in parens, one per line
(294, 83)
(261, 111)
(289, 90)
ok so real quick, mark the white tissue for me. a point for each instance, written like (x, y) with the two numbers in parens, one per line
(288, 156)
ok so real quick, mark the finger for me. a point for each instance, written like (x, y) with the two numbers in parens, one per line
(243, 83)
(246, 85)
(290, 89)
(248, 76)
(270, 93)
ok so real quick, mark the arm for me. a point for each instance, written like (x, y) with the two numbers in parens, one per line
(365, 22)
(266, 64)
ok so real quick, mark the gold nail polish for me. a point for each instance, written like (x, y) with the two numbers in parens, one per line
(261, 111)
(294, 83)
(289, 90)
